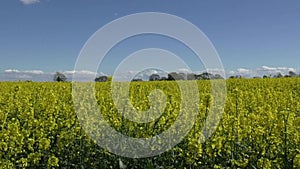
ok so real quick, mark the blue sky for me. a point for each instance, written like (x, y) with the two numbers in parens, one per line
(47, 35)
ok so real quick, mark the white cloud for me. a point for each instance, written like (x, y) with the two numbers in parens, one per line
(274, 70)
(231, 72)
(28, 2)
(82, 72)
(215, 71)
(15, 75)
(11, 71)
(184, 70)
(34, 72)
(261, 71)
(82, 75)
(39, 75)
(26, 71)
(267, 68)
(242, 70)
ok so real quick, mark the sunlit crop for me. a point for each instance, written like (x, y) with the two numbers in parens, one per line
(260, 126)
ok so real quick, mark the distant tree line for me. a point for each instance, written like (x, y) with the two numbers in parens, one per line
(192, 76)
(60, 77)
(171, 76)
(291, 74)
(183, 76)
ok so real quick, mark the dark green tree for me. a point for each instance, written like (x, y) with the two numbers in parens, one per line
(154, 77)
(137, 80)
(59, 77)
(292, 74)
(175, 76)
(218, 76)
(278, 75)
(101, 79)
(191, 76)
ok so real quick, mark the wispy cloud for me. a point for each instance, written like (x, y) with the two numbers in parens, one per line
(39, 75)
(261, 71)
(15, 75)
(243, 70)
(184, 70)
(84, 72)
(26, 71)
(82, 75)
(11, 71)
(274, 70)
(28, 2)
